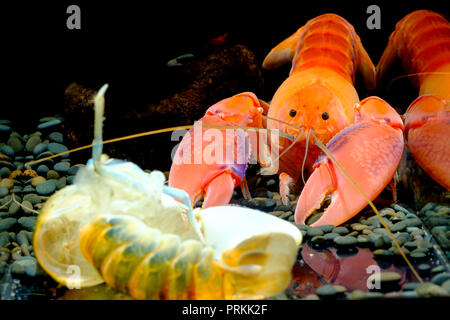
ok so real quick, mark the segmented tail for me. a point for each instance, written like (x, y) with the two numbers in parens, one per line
(422, 41)
(327, 41)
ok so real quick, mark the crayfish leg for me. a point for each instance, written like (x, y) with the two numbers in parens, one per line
(219, 190)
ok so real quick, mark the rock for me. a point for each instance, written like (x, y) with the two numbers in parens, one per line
(363, 240)
(4, 238)
(28, 266)
(52, 174)
(32, 142)
(56, 137)
(446, 285)
(61, 167)
(413, 222)
(5, 128)
(42, 170)
(345, 241)
(38, 181)
(410, 286)
(314, 231)
(326, 291)
(341, 230)
(438, 269)
(29, 189)
(16, 144)
(263, 204)
(61, 183)
(318, 240)
(331, 236)
(7, 223)
(22, 238)
(70, 179)
(32, 198)
(13, 208)
(326, 228)
(3, 192)
(428, 206)
(359, 226)
(438, 221)
(48, 124)
(399, 226)
(6, 149)
(39, 148)
(4, 172)
(57, 148)
(27, 207)
(417, 255)
(441, 278)
(410, 245)
(27, 222)
(400, 208)
(429, 289)
(46, 188)
(74, 169)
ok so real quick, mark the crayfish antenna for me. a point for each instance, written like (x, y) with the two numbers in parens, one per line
(99, 105)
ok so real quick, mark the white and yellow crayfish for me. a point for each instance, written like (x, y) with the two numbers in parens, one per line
(122, 226)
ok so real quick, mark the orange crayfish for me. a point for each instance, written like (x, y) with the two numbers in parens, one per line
(422, 41)
(318, 104)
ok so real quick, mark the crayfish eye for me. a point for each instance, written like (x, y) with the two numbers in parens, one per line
(325, 116)
(292, 113)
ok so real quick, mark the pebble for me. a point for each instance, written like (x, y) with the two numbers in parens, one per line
(32, 142)
(410, 286)
(27, 222)
(58, 148)
(413, 222)
(39, 148)
(359, 227)
(32, 198)
(326, 228)
(52, 174)
(410, 245)
(389, 277)
(362, 240)
(441, 278)
(46, 188)
(3, 192)
(429, 289)
(345, 241)
(315, 231)
(4, 128)
(438, 269)
(417, 255)
(7, 223)
(28, 189)
(28, 266)
(74, 169)
(56, 137)
(4, 238)
(13, 208)
(70, 179)
(22, 238)
(326, 291)
(42, 170)
(49, 124)
(16, 144)
(399, 226)
(318, 240)
(38, 181)
(341, 230)
(61, 167)
(5, 149)
(5, 172)
(27, 206)
(263, 204)
(446, 285)
(331, 236)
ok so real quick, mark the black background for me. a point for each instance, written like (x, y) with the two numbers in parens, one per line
(128, 43)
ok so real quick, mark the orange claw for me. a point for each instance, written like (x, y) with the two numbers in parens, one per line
(369, 150)
(211, 162)
(427, 125)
